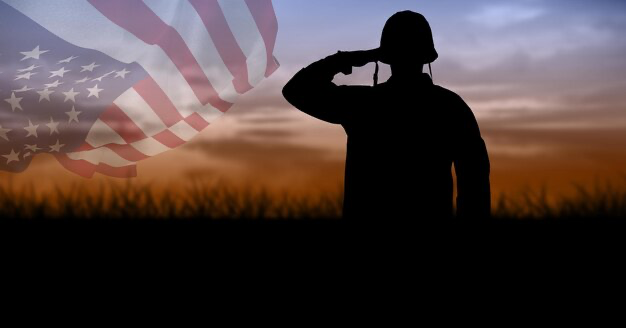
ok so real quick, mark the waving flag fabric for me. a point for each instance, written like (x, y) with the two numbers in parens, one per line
(103, 84)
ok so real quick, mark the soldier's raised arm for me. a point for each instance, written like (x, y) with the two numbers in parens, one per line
(312, 91)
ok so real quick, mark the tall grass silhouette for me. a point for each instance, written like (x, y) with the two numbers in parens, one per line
(200, 200)
(602, 200)
(143, 201)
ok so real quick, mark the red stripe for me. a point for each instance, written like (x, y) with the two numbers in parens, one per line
(225, 42)
(137, 18)
(87, 170)
(158, 101)
(115, 118)
(169, 139)
(196, 121)
(129, 171)
(125, 151)
(265, 18)
(80, 167)
(84, 147)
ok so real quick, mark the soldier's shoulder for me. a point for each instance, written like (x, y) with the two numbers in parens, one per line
(450, 97)
(446, 93)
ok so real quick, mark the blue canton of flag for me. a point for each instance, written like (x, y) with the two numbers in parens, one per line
(51, 91)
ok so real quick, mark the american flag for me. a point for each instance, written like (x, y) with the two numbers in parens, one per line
(103, 84)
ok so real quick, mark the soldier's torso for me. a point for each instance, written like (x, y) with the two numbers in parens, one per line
(399, 153)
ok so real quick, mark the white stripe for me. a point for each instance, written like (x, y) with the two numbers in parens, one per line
(248, 37)
(133, 105)
(209, 114)
(147, 146)
(194, 33)
(101, 134)
(100, 155)
(183, 130)
(83, 25)
(150, 147)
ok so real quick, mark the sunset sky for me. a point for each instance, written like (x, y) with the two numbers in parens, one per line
(546, 80)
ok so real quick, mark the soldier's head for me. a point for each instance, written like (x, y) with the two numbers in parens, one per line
(407, 40)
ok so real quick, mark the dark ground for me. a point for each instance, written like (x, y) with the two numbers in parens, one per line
(318, 232)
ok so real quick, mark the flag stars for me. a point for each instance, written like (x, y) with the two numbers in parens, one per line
(12, 156)
(59, 72)
(95, 92)
(103, 76)
(82, 80)
(70, 95)
(56, 147)
(44, 94)
(32, 148)
(34, 54)
(53, 126)
(53, 84)
(67, 60)
(89, 67)
(3, 133)
(25, 76)
(27, 69)
(73, 115)
(121, 73)
(31, 129)
(14, 101)
(23, 89)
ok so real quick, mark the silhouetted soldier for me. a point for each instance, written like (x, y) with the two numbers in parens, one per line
(404, 134)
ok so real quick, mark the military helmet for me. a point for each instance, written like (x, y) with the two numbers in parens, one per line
(407, 37)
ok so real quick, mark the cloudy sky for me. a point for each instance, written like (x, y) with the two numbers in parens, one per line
(545, 78)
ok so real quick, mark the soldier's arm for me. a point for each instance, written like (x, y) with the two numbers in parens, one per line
(312, 91)
(471, 164)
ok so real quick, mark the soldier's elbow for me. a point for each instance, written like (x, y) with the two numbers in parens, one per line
(290, 93)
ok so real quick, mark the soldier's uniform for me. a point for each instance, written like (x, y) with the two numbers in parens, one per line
(403, 137)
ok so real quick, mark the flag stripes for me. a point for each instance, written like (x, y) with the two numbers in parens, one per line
(221, 34)
(263, 13)
(135, 17)
(199, 55)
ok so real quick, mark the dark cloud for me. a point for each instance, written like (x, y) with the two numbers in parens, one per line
(274, 160)
(553, 158)
(575, 143)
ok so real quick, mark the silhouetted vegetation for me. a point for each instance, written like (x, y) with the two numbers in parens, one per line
(135, 201)
(205, 201)
(603, 200)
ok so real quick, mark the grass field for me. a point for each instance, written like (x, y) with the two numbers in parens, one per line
(143, 201)
(603, 200)
(206, 201)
